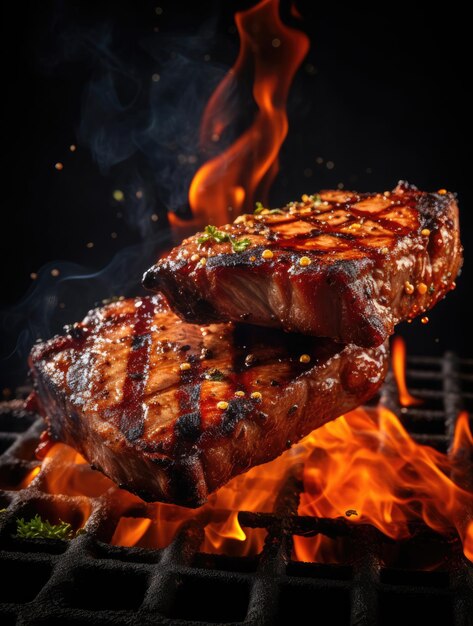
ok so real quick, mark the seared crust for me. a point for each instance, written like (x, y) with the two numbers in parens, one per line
(136, 391)
(374, 260)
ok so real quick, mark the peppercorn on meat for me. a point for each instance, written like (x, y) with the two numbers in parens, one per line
(172, 411)
(341, 264)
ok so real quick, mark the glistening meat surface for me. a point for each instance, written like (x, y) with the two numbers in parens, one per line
(340, 264)
(172, 411)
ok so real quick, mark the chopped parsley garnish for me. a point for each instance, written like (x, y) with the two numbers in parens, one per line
(239, 245)
(219, 236)
(36, 528)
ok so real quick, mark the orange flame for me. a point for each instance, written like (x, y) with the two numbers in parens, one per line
(363, 467)
(398, 348)
(229, 184)
(370, 465)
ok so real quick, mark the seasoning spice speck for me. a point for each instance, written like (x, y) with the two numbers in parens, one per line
(222, 405)
(184, 366)
(267, 254)
(240, 394)
(425, 232)
(304, 261)
(425, 320)
(422, 288)
(256, 395)
(304, 358)
(408, 288)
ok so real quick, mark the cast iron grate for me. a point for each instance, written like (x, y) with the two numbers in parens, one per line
(59, 582)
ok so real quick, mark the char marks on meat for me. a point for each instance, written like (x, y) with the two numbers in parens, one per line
(340, 264)
(172, 411)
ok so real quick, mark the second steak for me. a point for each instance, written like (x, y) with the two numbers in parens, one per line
(172, 411)
(340, 264)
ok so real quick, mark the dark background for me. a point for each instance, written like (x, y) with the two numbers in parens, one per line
(382, 95)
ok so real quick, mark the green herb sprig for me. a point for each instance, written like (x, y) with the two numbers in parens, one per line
(219, 236)
(37, 528)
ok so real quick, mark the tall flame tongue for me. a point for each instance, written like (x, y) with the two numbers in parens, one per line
(229, 184)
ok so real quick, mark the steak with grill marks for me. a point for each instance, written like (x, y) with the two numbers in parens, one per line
(171, 411)
(340, 264)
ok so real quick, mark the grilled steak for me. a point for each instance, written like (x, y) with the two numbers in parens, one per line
(340, 264)
(171, 411)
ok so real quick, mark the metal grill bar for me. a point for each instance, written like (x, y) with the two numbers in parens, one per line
(59, 582)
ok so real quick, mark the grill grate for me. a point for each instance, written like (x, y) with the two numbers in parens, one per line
(59, 582)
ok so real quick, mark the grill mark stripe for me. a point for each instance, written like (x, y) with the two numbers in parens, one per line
(132, 411)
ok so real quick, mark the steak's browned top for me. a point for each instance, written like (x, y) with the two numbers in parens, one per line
(172, 410)
(366, 261)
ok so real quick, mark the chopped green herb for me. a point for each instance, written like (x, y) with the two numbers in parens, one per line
(219, 236)
(36, 528)
(316, 199)
(2, 510)
(260, 208)
(213, 234)
(239, 245)
(214, 374)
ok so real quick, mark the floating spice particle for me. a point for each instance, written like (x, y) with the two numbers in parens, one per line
(351, 512)
(203, 261)
(250, 360)
(89, 244)
(422, 288)
(118, 195)
(59, 166)
(33, 275)
(442, 192)
(195, 257)
(267, 254)
(155, 78)
(72, 147)
(304, 358)
(425, 232)
(154, 217)
(55, 272)
(408, 288)
(304, 261)
(184, 366)
(425, 320)
(355, 226)
(222, 405)
(240, 394)
(276, 42)
(256, 395)
(252, 258)
(113, 235)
